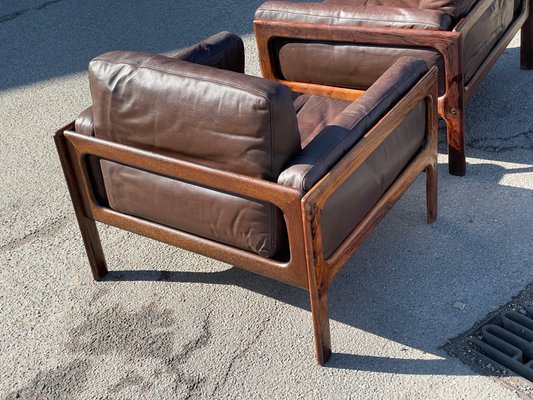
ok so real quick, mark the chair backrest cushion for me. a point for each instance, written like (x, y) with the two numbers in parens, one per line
(216, 118)
(456, 8)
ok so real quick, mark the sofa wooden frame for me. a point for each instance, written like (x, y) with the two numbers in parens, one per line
(448, 43)
(307, 267)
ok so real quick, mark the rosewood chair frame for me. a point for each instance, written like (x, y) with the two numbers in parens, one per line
(448, 43)
(307, 267)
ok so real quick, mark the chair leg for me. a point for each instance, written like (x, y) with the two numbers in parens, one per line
(88, 229)
(93, 247)
(431, 192)
(454, 116)
(526, 41)
(320, 311)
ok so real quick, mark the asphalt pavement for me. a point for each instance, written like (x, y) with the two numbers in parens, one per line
(169, 324)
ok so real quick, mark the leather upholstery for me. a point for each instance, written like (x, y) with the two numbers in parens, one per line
(456, 8)
(333, 63)
(356, 15)
(215, 118)
(314, 113)
(354, 199)
(484, 35)
(343, 131)
(350, 203)
(84, 124)
(343, 64)
(224, 50)
(242, 124)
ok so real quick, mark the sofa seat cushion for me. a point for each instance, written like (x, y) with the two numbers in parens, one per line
(355, 14)
(216, 118)
(314, 113)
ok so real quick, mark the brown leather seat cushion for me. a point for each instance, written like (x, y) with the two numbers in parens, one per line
(314, 113)
(216, 118)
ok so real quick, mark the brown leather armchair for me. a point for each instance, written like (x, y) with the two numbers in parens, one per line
(350, 43)
(192, 152)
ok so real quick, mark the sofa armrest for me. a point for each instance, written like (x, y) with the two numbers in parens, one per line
(224, 50)
(343, 14)
(337, 138)
(84, 124)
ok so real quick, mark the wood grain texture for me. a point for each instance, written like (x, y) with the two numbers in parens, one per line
(321, 271)
(324, 90)
(287, 199)
(448, 43)
(306, 267)
(88, 229)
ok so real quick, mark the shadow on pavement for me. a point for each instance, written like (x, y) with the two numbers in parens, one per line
(403, 283)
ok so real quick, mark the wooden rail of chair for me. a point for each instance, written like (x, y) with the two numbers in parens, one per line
(286, 199)
(322, 271)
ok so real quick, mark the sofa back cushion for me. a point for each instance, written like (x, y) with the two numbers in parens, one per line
(216, 118)
(456, 8)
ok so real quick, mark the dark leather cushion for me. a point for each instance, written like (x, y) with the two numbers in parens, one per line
(343, 131)
(215, 118)
(456, 8)
(352, 201)
(484, 35)
(343, 64)
(356, 15)
(224, 50)
(314, 113)
(345, 209)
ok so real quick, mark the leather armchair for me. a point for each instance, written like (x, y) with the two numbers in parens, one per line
(190, 151)
(350, 43)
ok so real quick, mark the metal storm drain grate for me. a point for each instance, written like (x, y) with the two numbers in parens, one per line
(501, 345)
(509, 342)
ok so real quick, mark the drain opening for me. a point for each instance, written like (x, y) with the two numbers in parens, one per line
(508, 341)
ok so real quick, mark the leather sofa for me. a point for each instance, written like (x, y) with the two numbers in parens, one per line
(350, 43)
(190, 151)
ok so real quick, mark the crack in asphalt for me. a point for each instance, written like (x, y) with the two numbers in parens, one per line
(18, 13)
(197, 343)
(192, 383)
(13, 15)
(262, 328)
(501, 143)
(46, 4)
(52, 228)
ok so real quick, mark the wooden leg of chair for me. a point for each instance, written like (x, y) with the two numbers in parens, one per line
(431, 192)
(93, 247)
(455, 122)
(526, 41)
(89, 231)
(319, 309)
